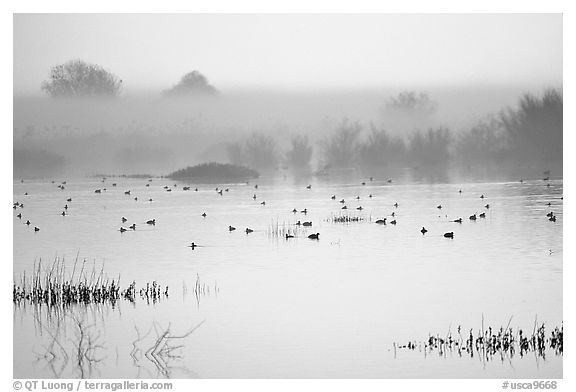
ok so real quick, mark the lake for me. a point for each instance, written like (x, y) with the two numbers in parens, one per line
(272, 307)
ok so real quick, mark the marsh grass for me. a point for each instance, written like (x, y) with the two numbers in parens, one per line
(54, 286)
(492, 343)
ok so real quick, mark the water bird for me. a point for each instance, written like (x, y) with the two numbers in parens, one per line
(248, 231)
(127, 192)
(393, 222)
(389, 181)
(381, 221)
(396, 205)
(344, 208)
(150, 200)
(98, 191)
(169, 190)
(151, 222)
(263, 203)
(342, 201)
(371, 178)
(186, 188)
(27, 223)
(298, 223)
(227, 190)
(69, 199)
(309, 187)
(473, 217)
(114, 184)
(132, 226)
(314, 236)
(192, 245)
(549, 215)
(357, 197)
(230, 228)
(148, 185)
(63, 213)
(21, 205)
(459, 220)
(304, 211)
(220, 192)
(487, 206)
(122, 230)
(136, 198)
(363, 183)
(439, 206)
(423, 231)
(66, 206)
(124, 220)
(449, 235)
(552, 218)
(204, 215)
(289, 236)
(393, 213)
(482, 215)
(460, 191)
(255, 186)
(307, 224)
(19, 216)
(333, 197)
(25, 193)
(36, 228)
(482, 196)
(294, 210)
(370, 195)
(547, 185)
(549, 204)
(195, 189)
(254, 197)
(521, 181)
(359, 208)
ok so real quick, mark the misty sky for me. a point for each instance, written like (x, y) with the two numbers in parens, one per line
(308, 52)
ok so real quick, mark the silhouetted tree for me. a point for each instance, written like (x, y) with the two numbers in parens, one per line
(382, 150)
(412, 102)
(484, 143)
(430, 148)
(340, 148)
(534, 129)
(192, 83)
(300, 154)
(260, 151)
(77, 78)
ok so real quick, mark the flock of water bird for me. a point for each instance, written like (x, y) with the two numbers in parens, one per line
(314, 236)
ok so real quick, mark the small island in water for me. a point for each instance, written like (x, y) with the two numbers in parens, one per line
(214, 171)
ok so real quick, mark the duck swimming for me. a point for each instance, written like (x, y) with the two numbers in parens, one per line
(381, 221)
(231, 228)
(482, 215)
(393, 222)
(204, 215)
(308, 224)
(423, 231)
(289, 236)
(248, 231)
(151, 222)
(473, 217)
(459, 220)
(36, 228)
(122, 230)
(449, 235)
(124, 220)
(132, 226)
(314, 236)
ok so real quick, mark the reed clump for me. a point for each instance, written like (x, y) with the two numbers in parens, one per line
(491, 342)
(345, 218)
(52, 286)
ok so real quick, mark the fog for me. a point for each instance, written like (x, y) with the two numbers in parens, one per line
(278, 92)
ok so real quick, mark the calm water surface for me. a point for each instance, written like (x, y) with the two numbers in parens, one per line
(294, 308)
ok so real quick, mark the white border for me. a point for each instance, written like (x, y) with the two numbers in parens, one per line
(294, 6)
